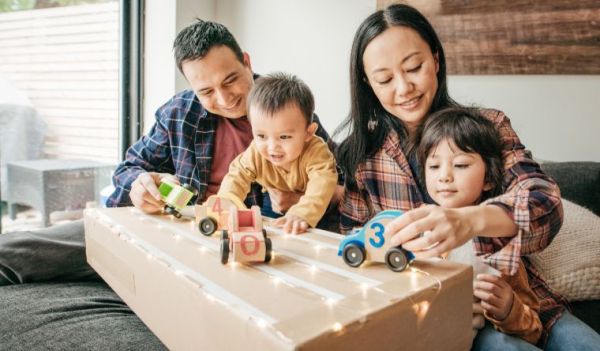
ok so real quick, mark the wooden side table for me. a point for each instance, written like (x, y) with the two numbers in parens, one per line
(55, 184)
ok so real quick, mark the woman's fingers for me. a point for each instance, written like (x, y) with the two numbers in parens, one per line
(405, 228)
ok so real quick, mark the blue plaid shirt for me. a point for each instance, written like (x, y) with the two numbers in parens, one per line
(181, 142)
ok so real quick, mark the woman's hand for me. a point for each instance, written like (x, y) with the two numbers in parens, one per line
(144, 191)
(281, 201)
(291, 224)
(448, 229)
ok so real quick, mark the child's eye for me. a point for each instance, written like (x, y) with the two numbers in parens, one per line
(260, 136)
(461, 165)
(433, 166)
(284, 137)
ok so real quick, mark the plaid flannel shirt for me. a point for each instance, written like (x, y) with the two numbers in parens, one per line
(385, 181)
(181, 142)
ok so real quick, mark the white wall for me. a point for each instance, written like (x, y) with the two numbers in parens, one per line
(557, 117)
(310, 38)
(163, 20)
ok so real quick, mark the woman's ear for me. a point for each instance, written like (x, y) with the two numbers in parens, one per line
(311, 130)
(436, 58)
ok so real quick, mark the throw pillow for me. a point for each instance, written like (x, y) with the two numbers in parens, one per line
(571, 263)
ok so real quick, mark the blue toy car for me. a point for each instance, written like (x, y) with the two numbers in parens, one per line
(369, 243)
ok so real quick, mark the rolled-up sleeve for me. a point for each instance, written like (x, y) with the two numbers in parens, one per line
(530, 198)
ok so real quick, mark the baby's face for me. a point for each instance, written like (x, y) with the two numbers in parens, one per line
(280, 138)
(454, 178)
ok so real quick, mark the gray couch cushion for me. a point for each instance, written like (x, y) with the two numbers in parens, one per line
(70, 316)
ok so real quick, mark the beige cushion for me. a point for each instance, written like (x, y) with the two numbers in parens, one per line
(571, 264)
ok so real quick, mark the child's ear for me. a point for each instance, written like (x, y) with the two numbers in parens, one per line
(311, 130)
(488, 186)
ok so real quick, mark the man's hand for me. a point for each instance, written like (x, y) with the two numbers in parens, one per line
(144, 191)
(496, 295)
(281, 201)
(291, 224)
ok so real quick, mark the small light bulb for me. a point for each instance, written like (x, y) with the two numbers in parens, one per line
(337, 326)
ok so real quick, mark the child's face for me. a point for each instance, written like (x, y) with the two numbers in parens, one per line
(454, 178)
(280, 137)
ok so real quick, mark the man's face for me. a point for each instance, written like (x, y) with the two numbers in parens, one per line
(280, 138)
(220, 81)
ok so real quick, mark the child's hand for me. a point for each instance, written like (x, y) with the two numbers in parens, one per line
(291, 224)
(495, 294)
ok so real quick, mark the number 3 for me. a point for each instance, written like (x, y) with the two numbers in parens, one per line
(379, 234)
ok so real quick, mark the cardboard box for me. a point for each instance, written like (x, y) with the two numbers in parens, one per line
(307, 298)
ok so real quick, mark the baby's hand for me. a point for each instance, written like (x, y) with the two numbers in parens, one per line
(495, 294)
(291, 224)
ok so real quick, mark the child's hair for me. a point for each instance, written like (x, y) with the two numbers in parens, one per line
(196, 40)
(273, 92)
(471, 133)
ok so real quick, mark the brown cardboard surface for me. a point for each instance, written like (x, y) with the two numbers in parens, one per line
(306, 298)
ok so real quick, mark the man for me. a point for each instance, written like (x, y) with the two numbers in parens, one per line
(193, 130)
(196, 126)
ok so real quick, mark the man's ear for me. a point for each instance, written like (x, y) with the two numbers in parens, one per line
(311, 130)
(247, 62)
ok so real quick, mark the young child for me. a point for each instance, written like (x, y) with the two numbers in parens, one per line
(460, 154)
(285, 153)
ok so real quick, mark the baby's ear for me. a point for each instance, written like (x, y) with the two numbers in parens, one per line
(311, 130)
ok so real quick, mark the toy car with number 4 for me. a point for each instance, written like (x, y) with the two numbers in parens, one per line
(245, 239)
(369, 243)
(213, 215)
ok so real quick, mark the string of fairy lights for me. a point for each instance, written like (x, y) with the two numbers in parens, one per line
(215, 293)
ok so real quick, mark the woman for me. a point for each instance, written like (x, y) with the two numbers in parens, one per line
(398, 78)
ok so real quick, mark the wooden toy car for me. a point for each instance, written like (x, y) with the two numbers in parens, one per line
(213, 215)
(369, 243)
(245, 239)
(175, 196)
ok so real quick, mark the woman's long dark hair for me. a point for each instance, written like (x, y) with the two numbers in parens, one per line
(362, 142)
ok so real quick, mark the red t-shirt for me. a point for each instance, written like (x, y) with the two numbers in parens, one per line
(232, 137)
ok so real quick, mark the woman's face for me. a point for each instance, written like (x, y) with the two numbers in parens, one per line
(402, 72)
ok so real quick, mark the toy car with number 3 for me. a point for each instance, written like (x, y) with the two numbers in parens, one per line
(370, 243)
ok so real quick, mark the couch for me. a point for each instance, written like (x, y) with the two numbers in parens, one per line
(88, 315)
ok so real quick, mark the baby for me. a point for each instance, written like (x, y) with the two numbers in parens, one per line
(285, 153)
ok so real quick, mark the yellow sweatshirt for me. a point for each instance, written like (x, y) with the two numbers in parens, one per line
(313, 174)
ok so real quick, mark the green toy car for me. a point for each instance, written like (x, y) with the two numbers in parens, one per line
(175, 196)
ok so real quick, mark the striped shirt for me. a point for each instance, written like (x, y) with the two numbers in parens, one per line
(385, 181)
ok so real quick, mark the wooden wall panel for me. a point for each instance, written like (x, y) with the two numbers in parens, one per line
(516, 37)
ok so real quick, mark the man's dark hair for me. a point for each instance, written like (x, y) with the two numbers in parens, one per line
(273, 92)
(471, 133)
(195, 40)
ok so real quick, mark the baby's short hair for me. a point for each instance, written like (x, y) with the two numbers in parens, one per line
(273, 92)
